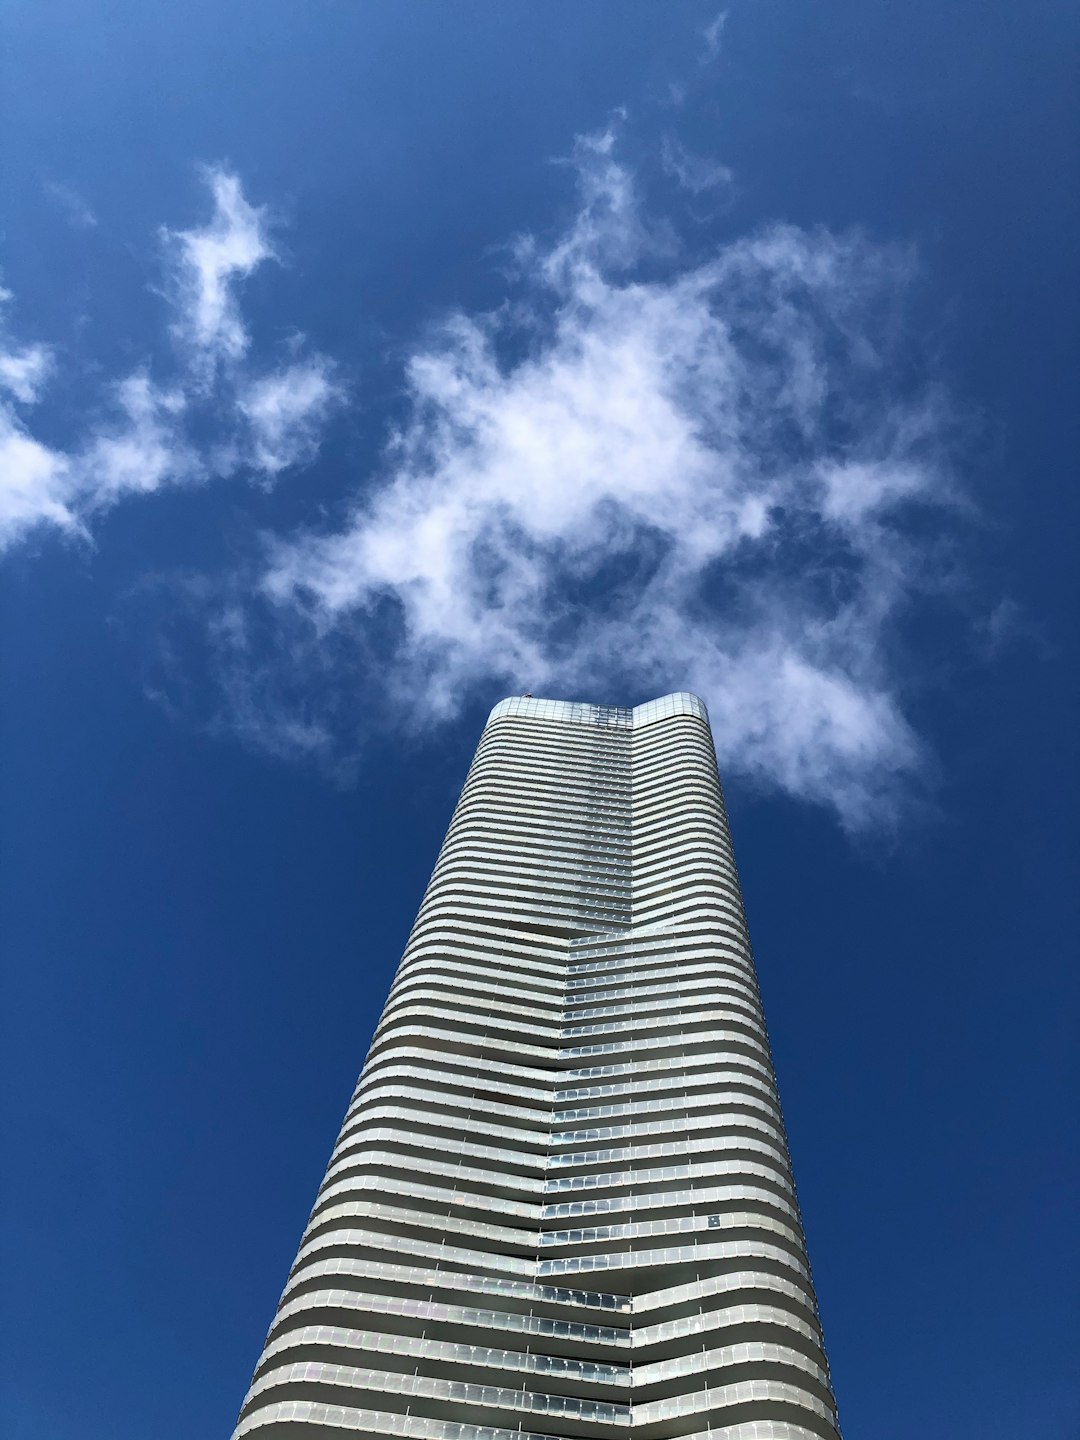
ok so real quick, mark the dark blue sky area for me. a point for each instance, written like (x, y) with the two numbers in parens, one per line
(198, 936)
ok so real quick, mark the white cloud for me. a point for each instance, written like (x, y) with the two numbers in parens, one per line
(34, 483)
(34, 479)
(696, 481)
(713, 35)
(142, 450)
(258, 421)
(74, 208)
(696, 173)
(286, 411)
(207, 263)
(23, 372)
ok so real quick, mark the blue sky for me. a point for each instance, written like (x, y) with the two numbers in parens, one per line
(361, 363)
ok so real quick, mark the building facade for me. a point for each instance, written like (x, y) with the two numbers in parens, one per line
(561, 1202)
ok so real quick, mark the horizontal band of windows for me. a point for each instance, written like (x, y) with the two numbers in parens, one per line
(752, 1184)
(657, 1000)
(535, 737)
(551, 869)
(463, 1032)
(695, 1079)
(670, 1096)
(526, 892)
(729, 1050)
(580, 786)
(549, 805)
(452, 989)
(437, 1199)
(639, 946)
(755, 1245)
(730, 1364)
(666, 1077)
(687, 1110)
(466, 1075)
(512, 1185)
(523, 911)
(483, 982)
(688, 769)
(408, 1142)
(440, 964)
(458, 1098)
(695, 818)
(427, 1281)
(633, 1172)
(592, 1163)
(310, 1417)
(559, 923)
(440, 1202)
(624, 1079)
(465, 942)
(486, 1074)
(653, 947)
(374, 1244)
(530, 847)
(749, 1222)
(508, 840)
(480, 819)
(696, 875)
(401, 1353)
(414, 1223)
(541, 1022)
(689, 980)
(688, 775)
(422, 1316)
(764, 1401)
(739, 1119)
(684, 980)
(611, 767)
(731, 1039)
(688, 840)
(469, 862)
(606, 785)
(496, 1110)
(529, 959)
(519, 905)
(315, 1380)
(566, 777)
(422, 1127)
(460, 1042)
(732, 1323)
(469, 873)
(680, 905)
(753, 1430)
(669, 969)
(653, 1015)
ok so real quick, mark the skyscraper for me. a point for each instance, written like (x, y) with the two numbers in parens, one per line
(561, 1202)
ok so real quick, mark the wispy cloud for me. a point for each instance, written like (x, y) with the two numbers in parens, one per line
(207, 263)
(34, 479)
(285, 411)
(72, 205)
(218, 415)
(695, 173)
(713, 35)
(140, 449)
(623, 484)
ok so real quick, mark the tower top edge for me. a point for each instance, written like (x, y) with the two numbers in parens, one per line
(580, 712)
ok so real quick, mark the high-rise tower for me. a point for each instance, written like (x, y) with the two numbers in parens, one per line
(561, 1202)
